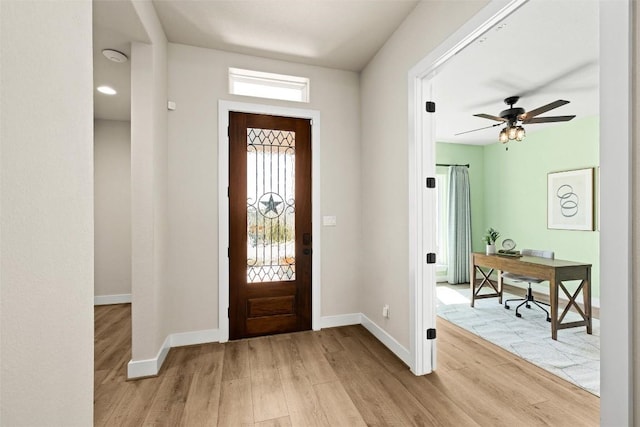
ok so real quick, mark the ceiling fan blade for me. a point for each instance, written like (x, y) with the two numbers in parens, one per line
(543, 109)
(490, 117)
(486, 127)
(551, 119)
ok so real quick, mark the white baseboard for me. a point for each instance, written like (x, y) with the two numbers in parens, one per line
(195, 337)
(340, 320)
(386, 339)
(111, 299)
(151, 367)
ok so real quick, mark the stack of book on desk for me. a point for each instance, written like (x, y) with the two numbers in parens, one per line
(515, 254)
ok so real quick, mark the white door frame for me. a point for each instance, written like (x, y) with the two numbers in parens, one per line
(616, 404)
(224, 107)
(421, 165)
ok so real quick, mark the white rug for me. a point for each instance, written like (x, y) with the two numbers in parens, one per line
(575, 356)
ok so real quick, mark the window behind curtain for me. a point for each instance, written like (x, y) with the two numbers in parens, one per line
(442, 227)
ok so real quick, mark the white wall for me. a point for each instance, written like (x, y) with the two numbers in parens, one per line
(636, 216)
(385, 158)
(46, 222)
(197, 80)
(112, 207)
(148, 186)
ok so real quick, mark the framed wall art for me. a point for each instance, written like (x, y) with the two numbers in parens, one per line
(570, 200)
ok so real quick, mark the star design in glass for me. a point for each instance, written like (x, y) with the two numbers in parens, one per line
(270, 206)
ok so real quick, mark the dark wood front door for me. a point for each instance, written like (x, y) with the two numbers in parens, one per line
(270, 225)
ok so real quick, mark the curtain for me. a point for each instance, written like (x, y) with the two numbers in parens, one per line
(459, 225)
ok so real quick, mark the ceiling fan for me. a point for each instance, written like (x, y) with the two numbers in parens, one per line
(515, 117)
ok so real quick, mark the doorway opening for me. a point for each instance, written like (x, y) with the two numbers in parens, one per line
(508, 178)
(614, 183)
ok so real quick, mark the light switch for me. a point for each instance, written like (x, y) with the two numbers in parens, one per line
(329, 221)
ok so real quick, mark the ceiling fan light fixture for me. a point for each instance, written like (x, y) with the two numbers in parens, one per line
(514, 117)
(503, 137)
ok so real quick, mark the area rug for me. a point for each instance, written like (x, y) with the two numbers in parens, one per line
(575, 356)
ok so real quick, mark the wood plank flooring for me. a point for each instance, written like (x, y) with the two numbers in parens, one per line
(335, 377)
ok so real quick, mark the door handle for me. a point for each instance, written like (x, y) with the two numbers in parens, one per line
(306, 251)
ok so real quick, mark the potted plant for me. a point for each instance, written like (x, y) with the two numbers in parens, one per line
(490, 238)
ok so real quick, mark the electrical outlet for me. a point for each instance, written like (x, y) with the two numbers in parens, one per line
(385, 311)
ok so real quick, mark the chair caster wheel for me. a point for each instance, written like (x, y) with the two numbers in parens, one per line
(528, 306)
(506, 306)
(518, 315)
(548, 319)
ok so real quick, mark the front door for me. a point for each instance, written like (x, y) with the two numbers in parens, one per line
(269, 225)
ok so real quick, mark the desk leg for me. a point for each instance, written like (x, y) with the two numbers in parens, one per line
(500, 287)
(472, 282)
(586, 294)
(553, 296)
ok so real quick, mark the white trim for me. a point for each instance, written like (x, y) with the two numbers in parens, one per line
(616, 313)
(224, 107)
(340, 320)
(421, 151)
(196, 337)
(112, 299)
(386, 339)
(149, 367)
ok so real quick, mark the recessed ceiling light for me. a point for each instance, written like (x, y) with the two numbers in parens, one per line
(107, 90)
(114, 55)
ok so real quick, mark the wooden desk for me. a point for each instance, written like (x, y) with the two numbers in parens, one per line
(556, 271)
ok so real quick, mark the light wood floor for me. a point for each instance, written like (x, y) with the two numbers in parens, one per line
(335, 377)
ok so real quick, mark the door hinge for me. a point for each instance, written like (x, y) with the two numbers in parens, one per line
(431, 258)
(228, 253)
(431, 182)
(227, 191)
(431, 334)
(227, 312)
(228, 131)
(431, 107)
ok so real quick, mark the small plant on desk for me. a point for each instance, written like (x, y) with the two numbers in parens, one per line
(491, 237)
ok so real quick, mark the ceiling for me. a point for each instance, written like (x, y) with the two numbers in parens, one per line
(342, 34)
(545, 51)
(115, 26)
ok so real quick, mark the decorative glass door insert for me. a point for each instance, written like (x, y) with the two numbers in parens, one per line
(271, 230)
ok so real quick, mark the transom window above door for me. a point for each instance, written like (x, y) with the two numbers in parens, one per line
(268, 85)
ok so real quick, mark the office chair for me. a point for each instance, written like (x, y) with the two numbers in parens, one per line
(529, 296)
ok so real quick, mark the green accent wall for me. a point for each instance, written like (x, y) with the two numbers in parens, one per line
(513, 198)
